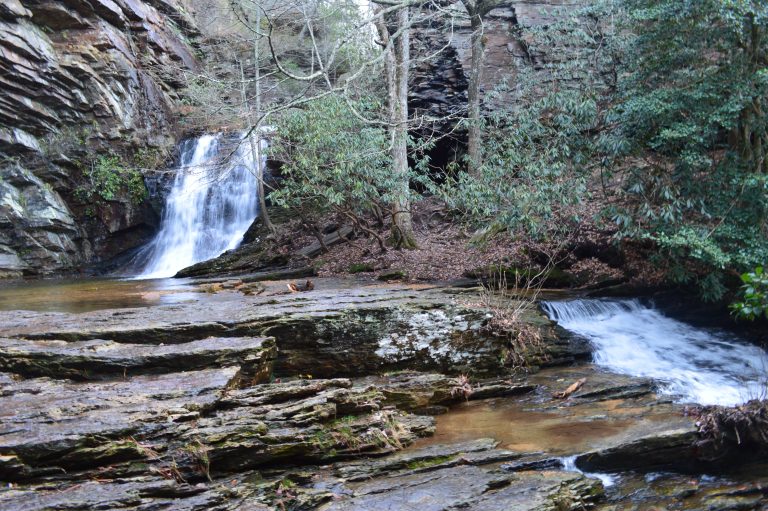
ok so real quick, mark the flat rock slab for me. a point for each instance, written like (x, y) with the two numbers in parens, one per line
(324, 333)
(670, 446)
(431, 393)
(85, 360)
(473, 487)
(158, 494)
(432, 457)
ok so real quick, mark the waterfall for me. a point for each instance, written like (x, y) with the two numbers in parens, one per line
(213, 201)
(705, 366)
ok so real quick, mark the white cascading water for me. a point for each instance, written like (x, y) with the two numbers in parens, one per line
(213, 201)
(695, 365)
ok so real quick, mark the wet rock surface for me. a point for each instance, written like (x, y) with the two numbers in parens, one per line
(325, 332)
(471, 487)
(139, 409)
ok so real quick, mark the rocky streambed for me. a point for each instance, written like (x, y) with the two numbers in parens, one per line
(348, 396)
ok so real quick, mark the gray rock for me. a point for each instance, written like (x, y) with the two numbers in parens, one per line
(476, 488)
(668, 446)
(324, 333)
(97, 358)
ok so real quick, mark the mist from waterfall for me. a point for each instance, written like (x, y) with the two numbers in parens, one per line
(213, 201)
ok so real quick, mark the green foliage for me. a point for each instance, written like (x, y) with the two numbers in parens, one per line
(360, 267)
(687, 133)
(538, 148)
(109, 178)
(332, 160)
(754, 294)
(534, 164)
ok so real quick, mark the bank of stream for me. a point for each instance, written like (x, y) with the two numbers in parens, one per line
(354, 395)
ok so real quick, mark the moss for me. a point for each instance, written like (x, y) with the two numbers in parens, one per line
(393, 275)
(513, 275)
(429, 462)
(360, 267)
(93, 450)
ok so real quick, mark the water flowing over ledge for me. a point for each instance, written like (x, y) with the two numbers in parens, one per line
(704, 366)
(213, 201)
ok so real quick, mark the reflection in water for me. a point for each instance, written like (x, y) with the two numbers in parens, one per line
(83, 295)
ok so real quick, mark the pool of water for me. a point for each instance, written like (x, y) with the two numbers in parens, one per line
(89, 294)
(522, 426)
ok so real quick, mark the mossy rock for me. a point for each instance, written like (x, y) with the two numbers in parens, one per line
(553, 278)
(393, 275)
(360, 267)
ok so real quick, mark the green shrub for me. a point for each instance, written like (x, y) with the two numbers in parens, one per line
(332, 160)
(108, 178)
(754, 296)
(688, 133)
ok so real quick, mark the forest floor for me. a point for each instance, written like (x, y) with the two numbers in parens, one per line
(448, 250)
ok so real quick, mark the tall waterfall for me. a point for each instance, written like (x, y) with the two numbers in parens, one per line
(696, 365)
(213, 201)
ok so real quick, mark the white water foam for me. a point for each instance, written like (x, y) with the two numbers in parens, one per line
(695, 365)
(569, 464)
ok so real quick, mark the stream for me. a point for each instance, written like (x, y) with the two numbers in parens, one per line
(695, 365)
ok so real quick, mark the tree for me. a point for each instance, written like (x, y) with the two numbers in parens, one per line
(538, 162)
(689, 133)
(328, 48)
(396, 47)
(393, 22)
(333, 162)
(477, 10)
(255, 126)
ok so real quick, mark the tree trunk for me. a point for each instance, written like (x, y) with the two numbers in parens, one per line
(257, 154)
(397, 61)
(474, 135)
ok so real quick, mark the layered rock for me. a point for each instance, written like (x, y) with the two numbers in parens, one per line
(326, 332)
(81, 79)
(96, 359)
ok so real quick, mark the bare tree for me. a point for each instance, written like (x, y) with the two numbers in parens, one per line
(397, 62)
(477, 10)
(307, 62)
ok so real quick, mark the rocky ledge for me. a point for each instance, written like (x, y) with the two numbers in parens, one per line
(139, 409)
(334, 330)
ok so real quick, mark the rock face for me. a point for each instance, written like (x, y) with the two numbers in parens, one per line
(78, 80)
(439, 84)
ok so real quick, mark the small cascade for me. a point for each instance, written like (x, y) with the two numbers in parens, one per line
(213, 201)
(569, 464)
(695, 365)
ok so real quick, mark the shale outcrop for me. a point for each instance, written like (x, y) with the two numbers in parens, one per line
(83, 80)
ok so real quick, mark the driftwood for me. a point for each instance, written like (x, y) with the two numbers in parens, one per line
(575, 386)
